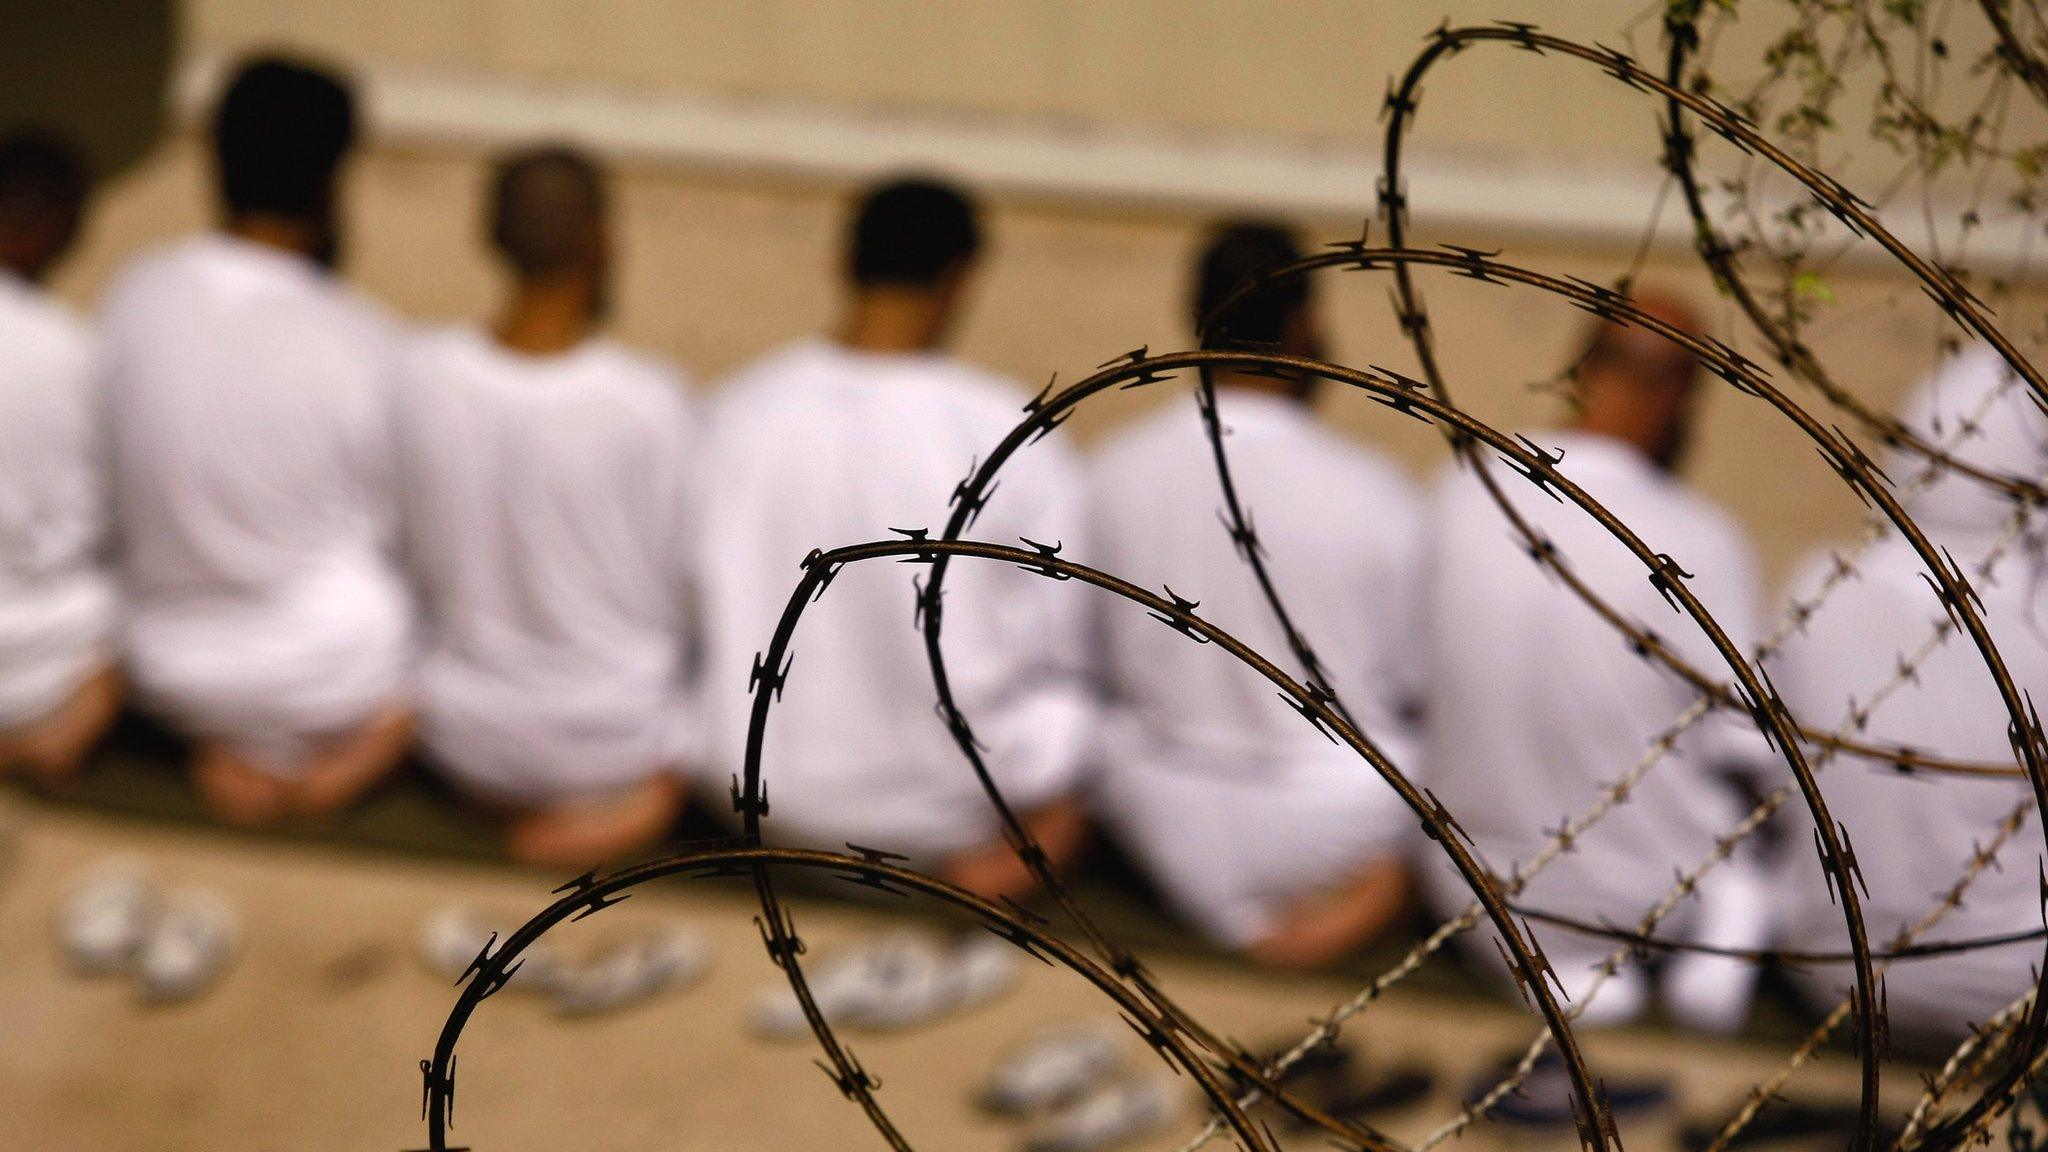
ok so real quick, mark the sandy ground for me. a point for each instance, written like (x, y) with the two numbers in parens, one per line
(313, 1041)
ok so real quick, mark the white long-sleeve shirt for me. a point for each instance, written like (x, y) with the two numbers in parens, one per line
(249, 395)
(1914, 835)
(1234, 804)
(546, 501)
(818, 446)
(1536, 705)
(56, 598)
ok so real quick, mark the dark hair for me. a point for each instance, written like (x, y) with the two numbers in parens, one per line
(280, 132)
(547, 209)
(41, 173)
(1236, 253)
(911, 233)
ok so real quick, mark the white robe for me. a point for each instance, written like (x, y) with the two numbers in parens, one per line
(1914, 835)
(56, 598)
(546, 501)
(817, 446)
(1536, 705)
(1221, 790)
(249, 395)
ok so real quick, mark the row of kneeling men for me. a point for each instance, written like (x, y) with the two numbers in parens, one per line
(527, 549)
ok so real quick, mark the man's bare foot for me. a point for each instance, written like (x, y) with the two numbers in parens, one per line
(992, 872)
(1323, 929)
(338, 775)
(582, 833)
(995, 871)
(52, 749)
(235, 790)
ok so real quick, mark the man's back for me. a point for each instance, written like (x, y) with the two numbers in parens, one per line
(546, 507)
(1247, 818)
(55, 602)
(1914, 835)
(819, 446)
(250, 436)
(50, 515)
(1340, 534)
(1536, 705)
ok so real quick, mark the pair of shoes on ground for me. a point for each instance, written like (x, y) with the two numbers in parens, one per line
(1804, 1123)
(896, 981)
(117, 920)
(618, 975)
(1346, 1087)
(1070, 1081)
(1545, 1099)
(1337, 1083)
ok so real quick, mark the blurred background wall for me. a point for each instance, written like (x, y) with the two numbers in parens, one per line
(98, 71)
(1105, 133)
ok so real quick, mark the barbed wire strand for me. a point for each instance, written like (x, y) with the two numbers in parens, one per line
(1942, 286)
(1329, 1027)
(1906, 671)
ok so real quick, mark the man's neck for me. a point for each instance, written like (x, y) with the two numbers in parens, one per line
(1245, 382)
(893, 320)
(285, 233)
(546, 317)
(30, 271)
(1620, 432)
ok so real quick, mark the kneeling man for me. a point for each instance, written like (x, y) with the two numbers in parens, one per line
(58, 687)
(249, 393)
(545, 502)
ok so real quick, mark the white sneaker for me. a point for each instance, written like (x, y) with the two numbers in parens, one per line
(984, 967)
(843, 985)
(631, 972)
(1048, 1070)
(915, 987)
(897, 981)
(1111, 1115)
(105, 917)
(451, 938)
(188, 948)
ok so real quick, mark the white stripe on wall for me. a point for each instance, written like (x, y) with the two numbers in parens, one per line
(1451, 198)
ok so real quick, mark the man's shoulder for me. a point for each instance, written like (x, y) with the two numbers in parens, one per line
(780, 371)
(39, 324)
(1360, 463)
(980, 387)
(432, 343)
(637, 371)
(1709, 522)
(653, 390)
(164, 264)
(186, 272)
(988, 401)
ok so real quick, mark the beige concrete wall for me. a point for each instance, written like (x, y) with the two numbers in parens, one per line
(715, 271)
(1313, 68)
(1308, 71)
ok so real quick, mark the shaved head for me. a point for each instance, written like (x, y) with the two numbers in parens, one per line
(1636, 385)
(548, 212)
(43, 186)
(1638, 353)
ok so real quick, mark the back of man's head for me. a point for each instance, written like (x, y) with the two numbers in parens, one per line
(279, 137)
(912, 233)
(1639, 356)
(1237, 253)
(1635, 384)
(547, 212)
(43, 185)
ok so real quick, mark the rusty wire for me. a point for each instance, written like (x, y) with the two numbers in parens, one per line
(1218, 1065)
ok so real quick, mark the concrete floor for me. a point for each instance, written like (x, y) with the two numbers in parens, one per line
(312, 1042)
